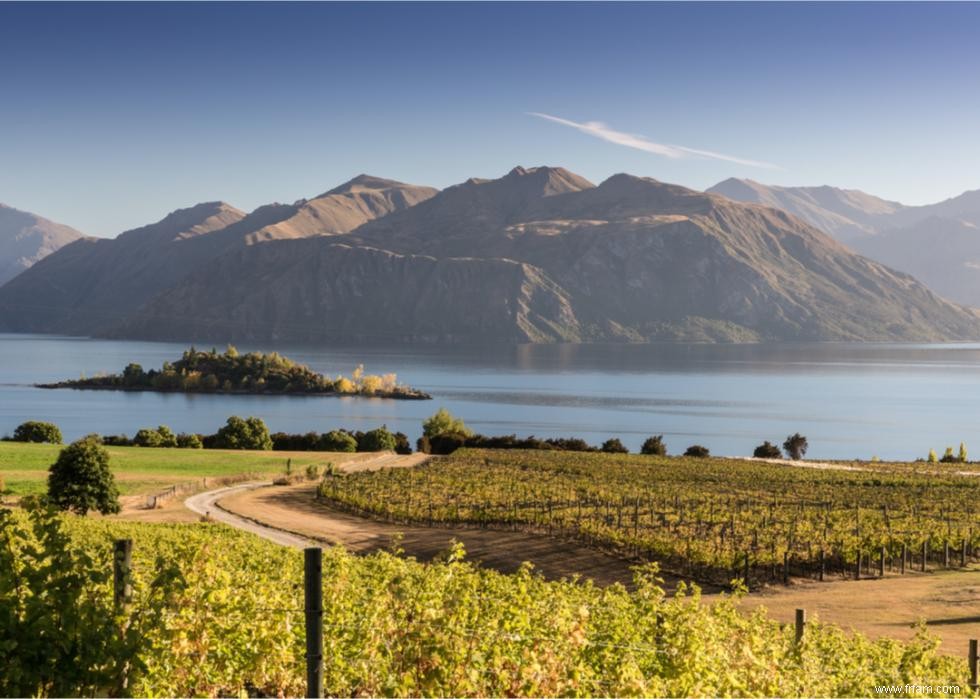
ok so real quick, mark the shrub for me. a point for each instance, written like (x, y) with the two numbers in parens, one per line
(963, 455)
(796, 446)
(614, 446)
(189, 441)
(147, 437)
(337, 440)
(80, 480)
(932, 456)
(38, 432)
(442, 422)
(402, 445)
(767, 450)
(698, 451)
(948, 457)
(117, 440)
(445, 443)
(654, 446)
(379, 439)
(424, 445)
(238, 433)
(312, 472)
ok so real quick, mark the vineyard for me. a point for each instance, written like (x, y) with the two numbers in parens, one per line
(218, 612)
(714, 520)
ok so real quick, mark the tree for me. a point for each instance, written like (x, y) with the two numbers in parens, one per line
(133, 375)
(932, 456)
(796, 446)
(379, 439)
(248, 433)
(654, 446)
(948, 457)
(402, 445)
(698, 451)
(767, 450)
(614, 446)
(442, 422)
(147, 437)
(445, 443)
(189, 441)
(80, 480)
(39, 432)
(963, 454)
(337, 440)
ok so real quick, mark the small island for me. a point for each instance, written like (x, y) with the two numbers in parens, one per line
(251, 373)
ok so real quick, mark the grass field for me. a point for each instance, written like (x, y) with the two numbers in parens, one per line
(139, 470)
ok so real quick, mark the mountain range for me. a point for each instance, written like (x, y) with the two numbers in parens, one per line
(26, 238)
(938, 244)
(538, 255)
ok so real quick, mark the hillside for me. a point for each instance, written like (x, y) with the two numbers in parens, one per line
(27, 238)
(89, 287)
(938, 244)
(543, 255)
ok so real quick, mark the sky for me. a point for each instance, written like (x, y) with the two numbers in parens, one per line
(113, 115)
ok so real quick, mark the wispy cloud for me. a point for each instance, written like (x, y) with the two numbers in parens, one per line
(600, 130)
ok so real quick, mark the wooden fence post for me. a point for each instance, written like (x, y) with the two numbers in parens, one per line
(313, 579)
(800, 625)
(974, 685)
(122, 565)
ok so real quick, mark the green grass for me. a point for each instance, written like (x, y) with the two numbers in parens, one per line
(24, 467)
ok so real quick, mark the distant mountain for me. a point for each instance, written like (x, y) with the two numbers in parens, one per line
(846, 214)
(26, 238)
(542, 255)
(937, 243)
(92, 285)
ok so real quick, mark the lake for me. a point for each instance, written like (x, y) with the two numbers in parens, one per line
(895, 401)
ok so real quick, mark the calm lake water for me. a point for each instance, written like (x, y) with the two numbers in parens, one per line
(851, 400)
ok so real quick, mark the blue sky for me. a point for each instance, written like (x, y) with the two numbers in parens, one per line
(112, 115)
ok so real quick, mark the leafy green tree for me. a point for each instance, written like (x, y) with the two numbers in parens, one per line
(337, 440)
(147, 437)
(767, 450)
(932, 456)
(696, 450)
(963, 455)
(443, 422)
(80, 480)
(402, 445)
(39, 432)
(133, 375)
(248, 433)
(379, 439)
(796, 446)
(189, 441)
(654, 446)
(948, 457)
(614, 446)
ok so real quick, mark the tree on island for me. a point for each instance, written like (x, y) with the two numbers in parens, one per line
(80, 480)
(37, 432)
